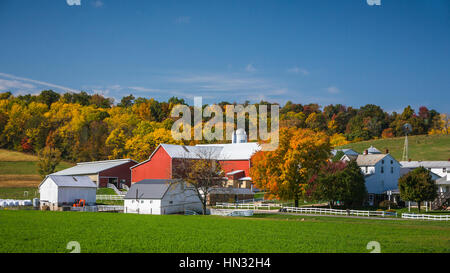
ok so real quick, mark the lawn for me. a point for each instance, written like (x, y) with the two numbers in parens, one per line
(423, 147)
(45, 231)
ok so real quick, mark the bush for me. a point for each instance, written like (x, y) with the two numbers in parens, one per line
(385, 204)
(380, 210)
(390, 210)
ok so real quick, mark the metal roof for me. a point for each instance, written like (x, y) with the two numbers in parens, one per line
(369, 160)
(93, 167)
(71, 181)
(192, 152)
(149, 189)
(235, 151)
(425, 164)
(235, 172)
(373, 150)
(345, 151)
(230, 191)
(443, 181)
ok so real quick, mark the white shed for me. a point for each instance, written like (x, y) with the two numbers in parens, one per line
(59, 190)
(160, 196)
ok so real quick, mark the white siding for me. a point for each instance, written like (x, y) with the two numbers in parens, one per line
(49, 191)
(70, 194)
(175, 200)
(379, 182)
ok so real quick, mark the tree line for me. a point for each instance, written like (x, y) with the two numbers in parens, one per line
(84, 127)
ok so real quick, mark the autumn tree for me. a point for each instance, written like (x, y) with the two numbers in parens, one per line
(201, 172)
(286, 172)
(417, 186)
(49, 158)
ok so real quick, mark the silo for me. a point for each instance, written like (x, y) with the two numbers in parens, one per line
(239, 136)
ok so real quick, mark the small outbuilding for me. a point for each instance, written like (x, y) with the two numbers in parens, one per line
(116, 172)
(57, 191)
(161, 196)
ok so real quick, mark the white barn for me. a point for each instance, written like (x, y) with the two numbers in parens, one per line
(160, 196)
(59, 190)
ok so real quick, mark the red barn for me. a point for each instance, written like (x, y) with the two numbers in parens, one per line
(234, 159)
(116, 172)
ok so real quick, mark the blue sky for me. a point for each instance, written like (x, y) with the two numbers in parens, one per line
(313, 51)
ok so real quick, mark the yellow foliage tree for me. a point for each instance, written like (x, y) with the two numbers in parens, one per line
(285, 172)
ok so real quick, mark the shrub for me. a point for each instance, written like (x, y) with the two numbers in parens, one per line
(385, 204)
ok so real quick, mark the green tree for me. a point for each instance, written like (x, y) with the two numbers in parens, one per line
(49, 158)
(340, 181)
(417, 186)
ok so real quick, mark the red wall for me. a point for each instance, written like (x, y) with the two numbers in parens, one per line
(158, 167)
(121, 172)
(234, 165)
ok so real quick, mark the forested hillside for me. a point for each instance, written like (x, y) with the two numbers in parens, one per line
(91, 127)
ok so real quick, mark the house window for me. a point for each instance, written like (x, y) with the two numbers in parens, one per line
(367, 169)
(444, 170)
(382, 161)
(382, 169)
(392, 162)
(170, 202)
(142, 201)
(392, 169)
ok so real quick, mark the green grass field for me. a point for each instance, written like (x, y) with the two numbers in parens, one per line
(423, 147)
(45, 231)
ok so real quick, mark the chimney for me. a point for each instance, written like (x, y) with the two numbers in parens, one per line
(366, 152)
(387, 151)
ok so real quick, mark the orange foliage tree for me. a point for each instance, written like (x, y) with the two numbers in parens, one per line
(286, 172)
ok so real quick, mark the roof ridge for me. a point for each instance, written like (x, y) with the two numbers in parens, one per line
(104, 161)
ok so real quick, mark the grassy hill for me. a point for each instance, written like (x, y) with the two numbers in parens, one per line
(19, 170)
(423, 147)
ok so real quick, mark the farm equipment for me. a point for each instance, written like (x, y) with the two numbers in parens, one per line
(79, 203)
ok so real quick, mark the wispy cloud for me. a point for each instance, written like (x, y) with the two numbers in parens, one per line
(183, 20)
(333, 90)
(6, 85)
(25, 83)
(250, 68)
(298, 70)
(98, 3)
(144, 89)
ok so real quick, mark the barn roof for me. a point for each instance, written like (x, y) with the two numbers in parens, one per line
(149, 189)
(192, 152)
(71, 181)
(235, 151)
(93, 167)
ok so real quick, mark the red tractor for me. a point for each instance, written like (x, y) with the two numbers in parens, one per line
(79, 203)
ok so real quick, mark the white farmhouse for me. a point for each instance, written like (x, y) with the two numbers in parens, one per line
(381, 172)
(161, 196)
(60, 190)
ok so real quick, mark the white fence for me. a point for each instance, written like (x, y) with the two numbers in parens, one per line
(110, 208)
(268, 206)
(426, 217)
(109, 197)
(339, 212)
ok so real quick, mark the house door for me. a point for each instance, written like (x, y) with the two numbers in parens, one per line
(371, 199)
